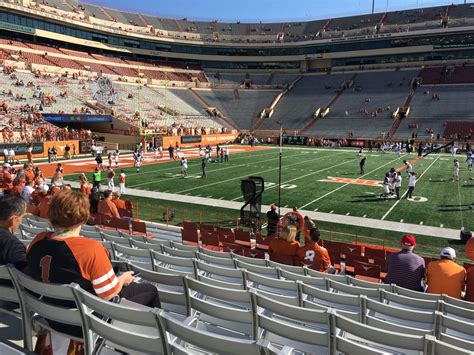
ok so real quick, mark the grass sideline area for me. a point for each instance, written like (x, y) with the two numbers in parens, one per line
(317, 179)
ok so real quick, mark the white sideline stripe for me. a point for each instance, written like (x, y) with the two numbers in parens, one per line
(341, 187)
(401, 197)
(252, 173)
(444, 233)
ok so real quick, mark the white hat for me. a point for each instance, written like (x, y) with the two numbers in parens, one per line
(448, 253)
(45, 188)
(6, 165)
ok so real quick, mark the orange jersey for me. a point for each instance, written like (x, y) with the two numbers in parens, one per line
(282, 247)
(119, 203)
(122, 178)
(111, 174)
(312, 253)
(86, 189)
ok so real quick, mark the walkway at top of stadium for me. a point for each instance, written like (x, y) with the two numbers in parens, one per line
(438, 232)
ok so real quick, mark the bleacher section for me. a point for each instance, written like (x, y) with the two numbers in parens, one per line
(297, 107)
(233, 301)
(243, 109)
(428, 113)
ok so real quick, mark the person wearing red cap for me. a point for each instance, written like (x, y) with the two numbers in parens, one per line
(405, 268)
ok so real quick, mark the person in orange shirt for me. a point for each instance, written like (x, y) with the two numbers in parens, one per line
(313, 254)
(118, 201)
(44, 204)
(17, 187)
(7, 182)
(285, 244)
(29, 173)
(445, 276)
(85, 186)
(106, 207)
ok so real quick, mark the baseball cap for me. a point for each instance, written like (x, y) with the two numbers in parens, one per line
(408, 240)
(448, 253)
(273, 207)
(44, 188)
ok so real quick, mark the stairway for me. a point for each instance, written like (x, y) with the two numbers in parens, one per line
(145, 22)
(313, 120)
(106, 14)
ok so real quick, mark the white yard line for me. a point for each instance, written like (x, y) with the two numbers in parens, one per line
(177, 172)
(302, 176)
(252, 173)
(401, 197)
(341, 187)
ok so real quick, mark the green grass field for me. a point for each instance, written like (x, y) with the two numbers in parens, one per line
(440, 202)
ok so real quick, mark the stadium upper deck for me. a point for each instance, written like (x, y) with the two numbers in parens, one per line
(437, 33)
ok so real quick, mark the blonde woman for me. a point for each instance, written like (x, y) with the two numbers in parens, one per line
(285, 244)
(86, 188)
(57, 179)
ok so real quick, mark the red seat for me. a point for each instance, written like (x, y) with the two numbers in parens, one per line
(123, 224)
(330, 245)
(207, 228)
(382, 263)
(373, 253)
(108, 222)
(367, 270)
(226, 235)
(123, 212)
(189, 225)
(138, 227)
(242, 237)
(351, 259)
(283, 259)
(189, 236)
(351, 249)
(95, 219)
(233, 248)
(263, 242)
(468, 265)
(335, 258)
(254, 253)
(210, 240)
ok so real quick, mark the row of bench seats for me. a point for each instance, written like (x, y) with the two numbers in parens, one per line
(382, 306)
(229, 321)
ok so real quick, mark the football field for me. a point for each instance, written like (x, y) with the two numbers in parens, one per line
(325, 180)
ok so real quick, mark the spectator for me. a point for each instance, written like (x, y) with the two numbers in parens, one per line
(273, 218)
(12, 251)
(313, 253)
(63, 257)
(106, 207)
(405, 268)
(445, 276)
(94, 199)
(27, 191)
(118, 201)
(45, 202)
(85, 186)
(285, 244)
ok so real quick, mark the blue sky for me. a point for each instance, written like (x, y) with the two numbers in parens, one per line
(262, 10)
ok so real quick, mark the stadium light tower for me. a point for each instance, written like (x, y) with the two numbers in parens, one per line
(373, 6)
